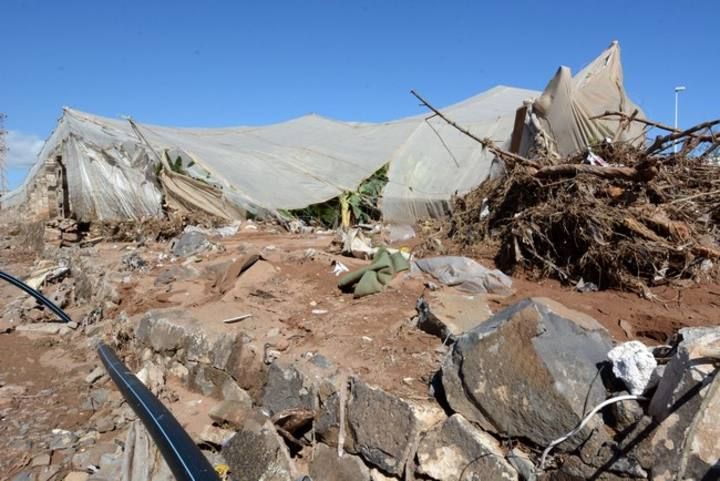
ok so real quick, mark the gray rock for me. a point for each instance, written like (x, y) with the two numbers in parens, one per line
(447, 315)
(169, 331)
(456, 450)
(298, 385)
(286, 388)
(62, 439)
(61, 295)
(210, 381)
(230, 413)
(49, 328)
(529, 372)
(92, 455)
(176, 273)
(152, 376)
(377, 475)
(95, 374)
(104, 424)
(256, 452)
(683, 445)
(22, 476)
(133, 261)
(40, 460)
(701, 454)
(214, 435)
(90, 438)
(46, 473)
(326, 465)
(625, 414)
(384, 428)
(573, 469)
(601, 455)
(247, 366)
(96, 399)
(105, 291)
(522, 464)
(232, 392)
(189, 243)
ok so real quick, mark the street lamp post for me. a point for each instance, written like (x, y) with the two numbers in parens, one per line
(678, 89)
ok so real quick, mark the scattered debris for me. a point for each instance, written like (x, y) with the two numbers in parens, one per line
(133, 261)
(338, 268)
(235, 319)
(645, 219)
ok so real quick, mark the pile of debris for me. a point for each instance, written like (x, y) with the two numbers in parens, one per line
(154, 229)
(617, 215)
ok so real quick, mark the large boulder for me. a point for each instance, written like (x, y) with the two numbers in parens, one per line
(456, 450)
(686, 405)
(385, 428)
(529, 372)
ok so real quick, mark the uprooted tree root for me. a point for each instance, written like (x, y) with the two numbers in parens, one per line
(644, 220)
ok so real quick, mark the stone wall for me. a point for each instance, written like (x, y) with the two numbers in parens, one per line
(44, 197)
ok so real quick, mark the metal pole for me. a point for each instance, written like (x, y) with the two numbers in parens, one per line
(678, 89)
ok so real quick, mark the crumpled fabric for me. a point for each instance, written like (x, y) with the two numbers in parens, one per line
(373, 278)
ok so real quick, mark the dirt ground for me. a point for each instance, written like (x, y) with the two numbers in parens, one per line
(296, 308)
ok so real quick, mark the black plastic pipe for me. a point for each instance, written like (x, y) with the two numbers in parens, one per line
(184, 458)
(37, 295)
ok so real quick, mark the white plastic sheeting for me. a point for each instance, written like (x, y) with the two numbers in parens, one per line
(563, 114)
(437, 160)
(466, 274)
(111, 165)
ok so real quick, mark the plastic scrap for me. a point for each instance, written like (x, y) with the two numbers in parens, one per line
(594, 159)
(583, 286)
(466, 275)
(356, 244)
(225, 231)
(339, 268)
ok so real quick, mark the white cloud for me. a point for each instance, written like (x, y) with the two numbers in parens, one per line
(22, 148)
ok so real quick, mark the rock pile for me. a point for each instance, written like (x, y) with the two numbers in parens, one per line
(509, 388)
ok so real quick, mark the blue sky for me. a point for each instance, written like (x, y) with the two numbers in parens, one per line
(213, 63)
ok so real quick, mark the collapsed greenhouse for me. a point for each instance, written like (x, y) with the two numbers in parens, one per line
(94, 168)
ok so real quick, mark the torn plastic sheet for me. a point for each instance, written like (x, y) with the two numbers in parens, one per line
(466, 274)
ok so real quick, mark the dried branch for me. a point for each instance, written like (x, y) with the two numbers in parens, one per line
(627, 173)
(633, 118)
(486, 143)
(661, 142)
